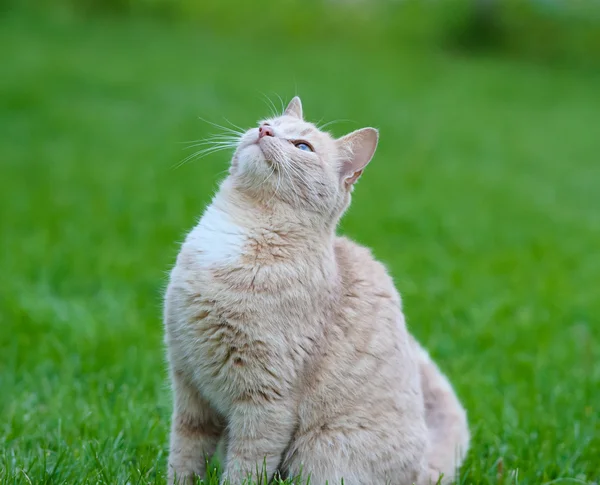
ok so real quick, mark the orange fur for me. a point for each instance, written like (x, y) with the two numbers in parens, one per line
(289, 342)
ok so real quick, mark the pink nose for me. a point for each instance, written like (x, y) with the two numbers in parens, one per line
(265, 130)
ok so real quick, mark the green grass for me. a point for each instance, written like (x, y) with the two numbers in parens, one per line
(483, 200)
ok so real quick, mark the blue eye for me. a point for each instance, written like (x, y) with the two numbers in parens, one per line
(303, 146)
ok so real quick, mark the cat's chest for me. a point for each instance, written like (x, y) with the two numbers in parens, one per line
(218, 241)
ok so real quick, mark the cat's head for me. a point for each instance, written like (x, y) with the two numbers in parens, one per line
(287, 160)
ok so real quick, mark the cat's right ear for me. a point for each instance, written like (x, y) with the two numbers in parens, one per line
(356, 151)
(294, 108)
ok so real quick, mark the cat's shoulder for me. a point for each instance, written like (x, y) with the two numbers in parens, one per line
(346, 247)
(362, 274)
(356, 257)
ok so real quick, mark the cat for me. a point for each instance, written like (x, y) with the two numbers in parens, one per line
(288, 344)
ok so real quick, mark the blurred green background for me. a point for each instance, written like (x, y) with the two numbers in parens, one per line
(483, 200)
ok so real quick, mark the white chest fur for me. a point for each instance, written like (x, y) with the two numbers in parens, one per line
(218, 240)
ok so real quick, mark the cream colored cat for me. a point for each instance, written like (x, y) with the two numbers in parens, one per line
(288, 342)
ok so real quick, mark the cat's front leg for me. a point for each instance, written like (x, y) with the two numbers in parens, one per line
(258, 434)
(195, 432)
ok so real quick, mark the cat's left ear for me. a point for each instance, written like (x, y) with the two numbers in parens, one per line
(294, 108)
(357, 149)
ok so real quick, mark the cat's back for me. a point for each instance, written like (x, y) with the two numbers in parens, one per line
(363, 277)
(370, 325)
(365, 392)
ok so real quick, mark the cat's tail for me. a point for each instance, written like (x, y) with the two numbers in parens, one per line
(446, 422)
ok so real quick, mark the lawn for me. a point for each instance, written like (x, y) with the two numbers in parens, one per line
(483, 200)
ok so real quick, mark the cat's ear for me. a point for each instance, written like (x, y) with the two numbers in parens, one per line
(294, 108)
(356, 149)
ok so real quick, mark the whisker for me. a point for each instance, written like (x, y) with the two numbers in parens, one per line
(217, 136)
(321, 127)
(224, 128)
(270, 105)
(287, 170)
(297, 171)
(225, 140)
(295, 198)
(216, 139)
(200, 154)
(303, 178)
(234, 125)
(276, 187)
(282, 103)
(267, 177)
(228, 136)
(213, 143)
(228, 139)
(222, 172)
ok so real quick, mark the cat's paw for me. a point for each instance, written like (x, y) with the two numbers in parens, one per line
(183, 479)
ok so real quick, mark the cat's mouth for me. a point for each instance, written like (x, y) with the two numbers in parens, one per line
(266, 146)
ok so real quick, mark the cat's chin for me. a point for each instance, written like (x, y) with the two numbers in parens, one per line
(253, 156)
(252, 164)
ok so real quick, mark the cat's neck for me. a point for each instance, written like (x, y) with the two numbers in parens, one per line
(238, 238)
(301, 229)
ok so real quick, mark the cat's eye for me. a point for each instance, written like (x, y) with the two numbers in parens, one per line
(302, 145)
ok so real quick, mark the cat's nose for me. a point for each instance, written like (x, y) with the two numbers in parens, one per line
(265, 130)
